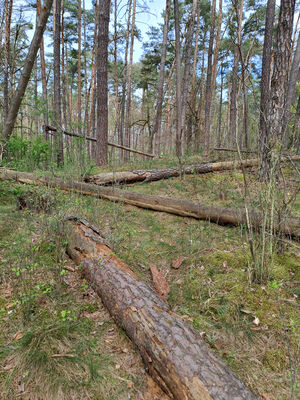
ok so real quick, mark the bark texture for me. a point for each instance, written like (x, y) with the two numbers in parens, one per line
(185, 208)
(265, 84)
(102, 98)
(173, 352)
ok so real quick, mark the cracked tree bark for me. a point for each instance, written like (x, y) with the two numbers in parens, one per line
(173, 352)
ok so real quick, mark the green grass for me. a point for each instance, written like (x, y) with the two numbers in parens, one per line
(211, 290)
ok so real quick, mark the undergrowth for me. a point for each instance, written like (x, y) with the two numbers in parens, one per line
(254, 328)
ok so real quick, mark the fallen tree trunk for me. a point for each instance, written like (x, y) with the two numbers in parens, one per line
(234, 150)
(173, 352)
(109, 178)
(185, 208)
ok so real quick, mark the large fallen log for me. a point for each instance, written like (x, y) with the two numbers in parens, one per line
(185, 208)
(109, 178)
(173, 352)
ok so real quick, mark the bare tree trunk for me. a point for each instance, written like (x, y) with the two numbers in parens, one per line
(117, 108)
(86, 92)
(233, 98)
(44, 79)
(191, 120)
(156, 133)
(279, 82)
(28, 65)
(8, 12)
(178, 81)
(79, 70)
(128, 105)
(265, 84)
(220, 110)
(124, 82)
(186, 73)
(294, 77)
(63, 75)
(57, 90)
(208, 87)
(102, 98)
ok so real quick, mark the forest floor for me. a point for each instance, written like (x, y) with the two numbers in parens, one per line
(58, 342)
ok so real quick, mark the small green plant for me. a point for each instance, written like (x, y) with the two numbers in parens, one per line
(66, 315)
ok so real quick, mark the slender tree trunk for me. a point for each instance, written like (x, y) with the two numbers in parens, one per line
(294, 77)
(233, 97)
(178, 81)
(102, 97)
(186, 74)
(124, 82)
(79, 70)
(8, 13)
(220, 111)
(28, 65)
(156, 133)
(128, 105)
(63, 75)
(57, 90)
(191, 120)
(265, 84)
(44, 79)
(199, 134)
(86, 92)
(208, 86)
(117, 111)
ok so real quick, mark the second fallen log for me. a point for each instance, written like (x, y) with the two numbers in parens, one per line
(173, 352)
(147, 175)
(185, 208)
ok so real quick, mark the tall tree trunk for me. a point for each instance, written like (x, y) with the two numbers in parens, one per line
(186, 73)
(102, 97)
(239, 17)
(279, 82)
(219, 140)
(128, 105)
(199, 134)
(178, 80)
(191, 120)
(294, 77)
(44, 79)
(28, 65)
(86, 92)
(233, 96)
(156, 133)
(8, 12)
(57, 91)
(79, 70)
(265, 84)
(117, 110)
(63, 75)
(124, 82)
(208, 86)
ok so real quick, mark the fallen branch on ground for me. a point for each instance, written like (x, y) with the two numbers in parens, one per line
(173, 352)
(185, 208)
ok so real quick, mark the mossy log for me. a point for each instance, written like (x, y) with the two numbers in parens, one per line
(185, 208)
(174, 353)
(109, 178)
